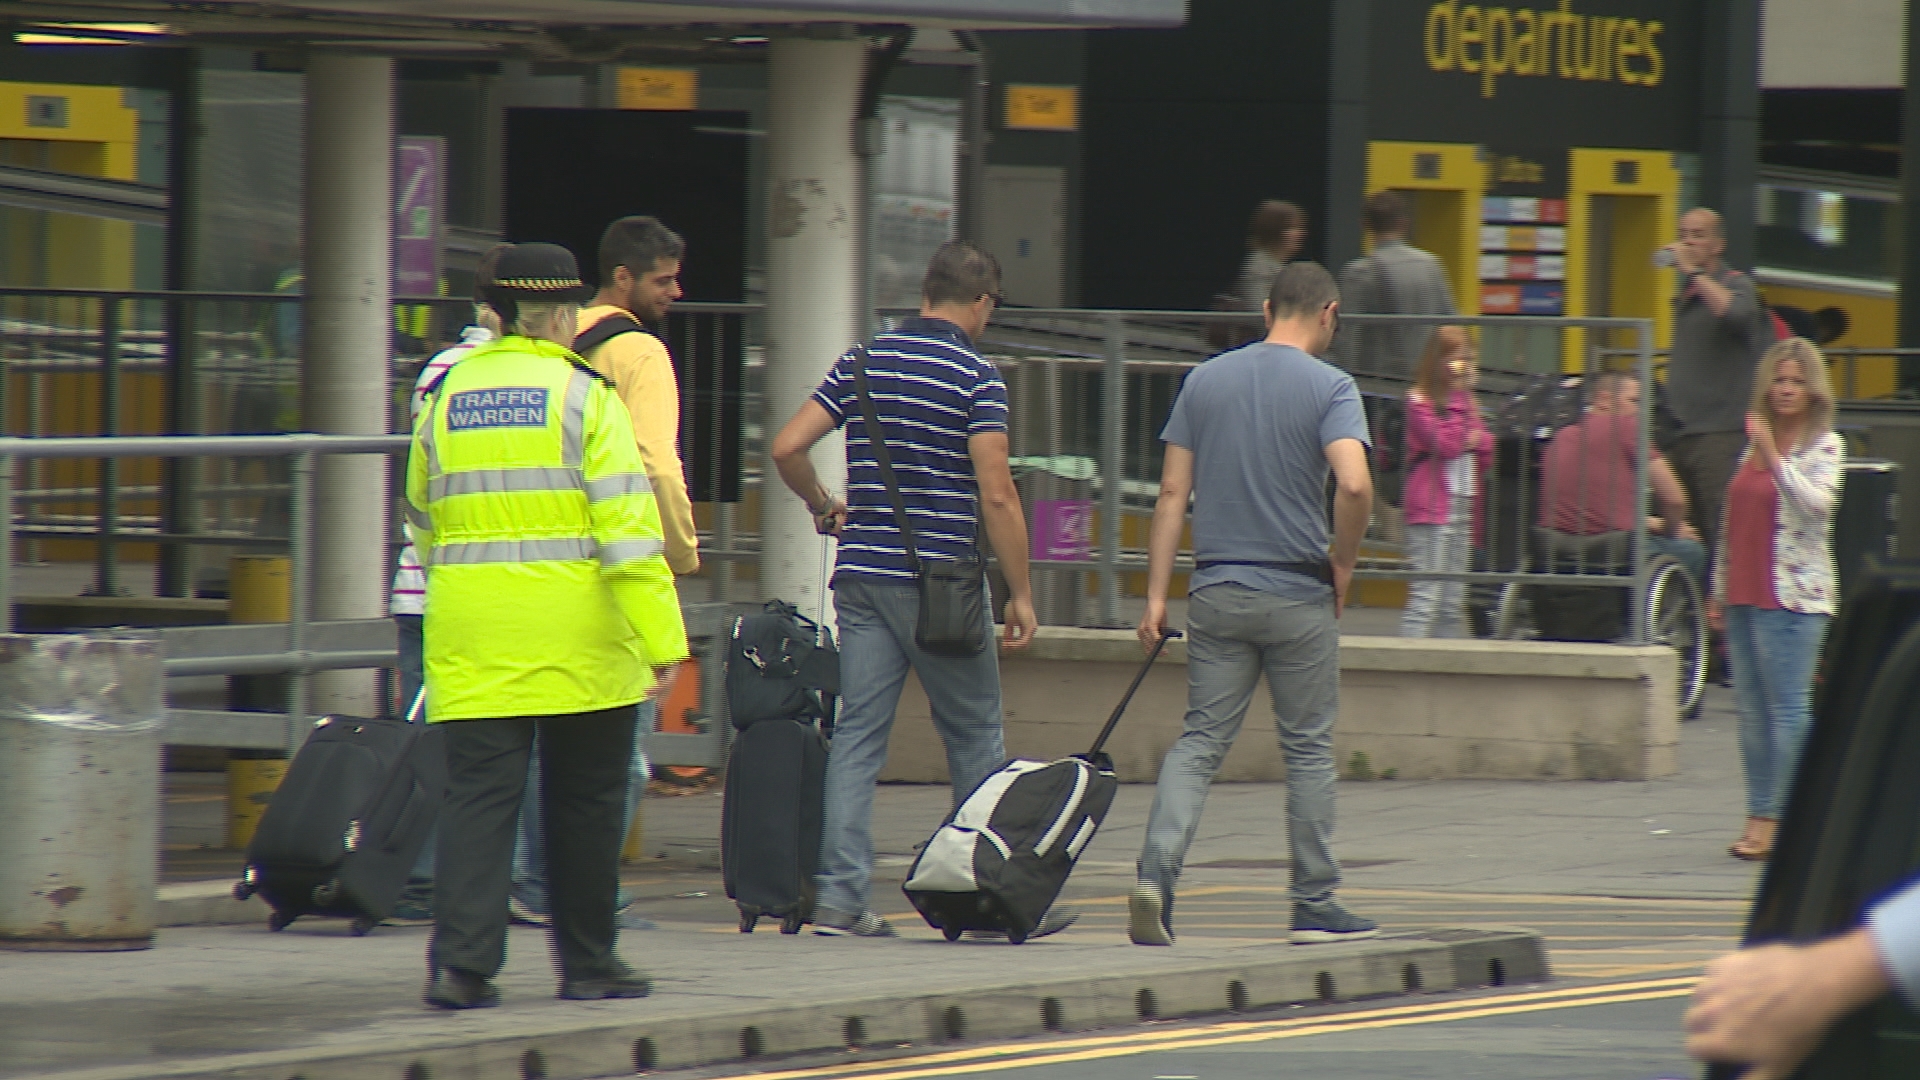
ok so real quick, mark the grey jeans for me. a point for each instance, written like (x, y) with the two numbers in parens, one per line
(876, 649)
(1234, 635)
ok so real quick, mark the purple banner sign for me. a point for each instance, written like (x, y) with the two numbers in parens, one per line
(419, 210)
(1063, 529)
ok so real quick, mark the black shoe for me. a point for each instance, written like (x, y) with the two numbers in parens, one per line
(450, 989)
(624, 982)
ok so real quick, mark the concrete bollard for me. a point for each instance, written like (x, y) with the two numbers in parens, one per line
(81, 723)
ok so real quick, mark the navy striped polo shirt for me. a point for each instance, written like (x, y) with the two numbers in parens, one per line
(931, 392)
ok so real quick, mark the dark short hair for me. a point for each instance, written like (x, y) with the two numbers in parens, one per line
(1385, 212)
(1271, 222)
(1301, 288)
(960, 274)
(483, 270)
(637, 243)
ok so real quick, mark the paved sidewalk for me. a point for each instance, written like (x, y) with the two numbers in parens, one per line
(1622, 879)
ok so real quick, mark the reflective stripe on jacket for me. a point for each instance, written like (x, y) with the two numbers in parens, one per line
(548, 590)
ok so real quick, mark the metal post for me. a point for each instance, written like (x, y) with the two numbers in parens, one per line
(299, 688)
(1113, 422)
(106, 566)
(1643, 370)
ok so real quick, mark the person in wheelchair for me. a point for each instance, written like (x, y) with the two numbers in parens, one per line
(1588, 502)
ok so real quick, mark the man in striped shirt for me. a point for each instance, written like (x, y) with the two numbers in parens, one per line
(943, 414)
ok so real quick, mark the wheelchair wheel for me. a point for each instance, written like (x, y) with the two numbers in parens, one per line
(1677, 618)
(1513, 618)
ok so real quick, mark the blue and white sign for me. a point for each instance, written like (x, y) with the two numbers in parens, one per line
(499, 407)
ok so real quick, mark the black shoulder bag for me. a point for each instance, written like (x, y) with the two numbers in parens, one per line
(953, 603)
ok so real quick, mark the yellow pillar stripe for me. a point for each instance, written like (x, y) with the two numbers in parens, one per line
(1092, 1049)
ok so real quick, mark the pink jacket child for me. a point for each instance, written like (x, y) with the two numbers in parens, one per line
(1433, 439)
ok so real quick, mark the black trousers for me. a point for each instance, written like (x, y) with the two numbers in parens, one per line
(584, 760)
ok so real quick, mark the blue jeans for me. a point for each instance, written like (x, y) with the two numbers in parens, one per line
(876, 649)
(1772, 652)
(411, 635)
(1234, 635)
(529, 846)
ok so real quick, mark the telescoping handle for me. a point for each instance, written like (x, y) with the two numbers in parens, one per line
(1114, 720)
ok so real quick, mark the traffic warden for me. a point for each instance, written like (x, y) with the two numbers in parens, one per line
(551, 611)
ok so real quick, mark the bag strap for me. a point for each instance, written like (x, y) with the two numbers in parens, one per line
(606, 330)
(877, 439)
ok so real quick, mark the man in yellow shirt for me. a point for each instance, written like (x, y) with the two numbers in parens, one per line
(639, 281)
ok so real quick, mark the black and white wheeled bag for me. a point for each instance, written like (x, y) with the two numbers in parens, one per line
(999, 861)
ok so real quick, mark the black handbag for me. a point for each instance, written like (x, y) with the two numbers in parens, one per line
(953, 592)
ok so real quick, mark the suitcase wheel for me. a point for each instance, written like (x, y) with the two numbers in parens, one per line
(279, 921)
(748, 922)
(792, 923)
(1016, 937)
(951, 933)
(362, 925)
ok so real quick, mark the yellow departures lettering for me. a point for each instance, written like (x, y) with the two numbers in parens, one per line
(1494, 42)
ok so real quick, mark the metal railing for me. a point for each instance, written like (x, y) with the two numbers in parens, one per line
(1094, 388)
(128, 362)
(298, 660)
(1089, 387)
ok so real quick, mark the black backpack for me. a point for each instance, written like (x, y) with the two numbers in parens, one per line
(781, 663)
(1388, 426)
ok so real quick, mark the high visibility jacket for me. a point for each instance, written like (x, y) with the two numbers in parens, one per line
(548, 592)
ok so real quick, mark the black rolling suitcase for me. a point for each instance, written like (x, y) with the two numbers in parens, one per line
(348, 821)
(783, 682)
(771, 820)
(999, 861)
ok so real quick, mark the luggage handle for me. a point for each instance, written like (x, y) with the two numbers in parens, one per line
(1114, 720)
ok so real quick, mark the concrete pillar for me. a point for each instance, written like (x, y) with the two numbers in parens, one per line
(347, 224)
(812, 279)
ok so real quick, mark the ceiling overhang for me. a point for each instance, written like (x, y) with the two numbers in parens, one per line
(581, 30)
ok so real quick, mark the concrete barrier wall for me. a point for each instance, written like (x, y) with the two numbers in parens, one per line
(1414, 710)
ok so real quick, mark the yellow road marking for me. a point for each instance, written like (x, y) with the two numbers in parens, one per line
(989, 1059)
(1425, 894)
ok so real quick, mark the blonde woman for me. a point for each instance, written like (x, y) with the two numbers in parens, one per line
(1774, 585)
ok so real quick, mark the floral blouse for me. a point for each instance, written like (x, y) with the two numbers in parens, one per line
(1808, 479)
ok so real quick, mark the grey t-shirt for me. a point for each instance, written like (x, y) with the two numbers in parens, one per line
(1258, 420)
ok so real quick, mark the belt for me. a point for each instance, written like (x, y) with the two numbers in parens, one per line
(1319, 570)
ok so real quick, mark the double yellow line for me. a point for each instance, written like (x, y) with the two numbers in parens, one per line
(1016, 1056)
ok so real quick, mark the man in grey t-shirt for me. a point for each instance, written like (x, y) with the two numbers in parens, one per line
(1251, 438)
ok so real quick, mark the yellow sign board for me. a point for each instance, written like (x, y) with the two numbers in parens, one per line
(1043, 108)
(668, 89)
